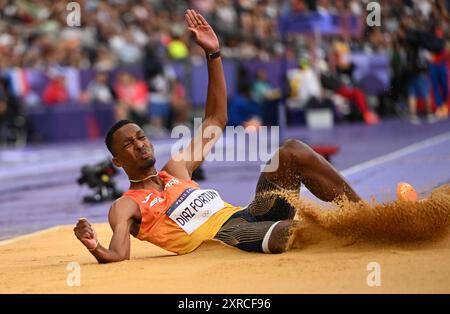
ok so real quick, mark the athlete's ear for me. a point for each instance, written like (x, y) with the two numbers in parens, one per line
(116, 162)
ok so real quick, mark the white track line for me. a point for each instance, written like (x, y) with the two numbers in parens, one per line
(397, 154)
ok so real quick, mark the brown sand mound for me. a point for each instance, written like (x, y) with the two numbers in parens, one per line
(398, 221)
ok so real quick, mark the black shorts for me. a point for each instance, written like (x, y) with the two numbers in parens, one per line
(250, 228)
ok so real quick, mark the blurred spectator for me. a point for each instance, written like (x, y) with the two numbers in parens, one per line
(177, 49)
(132, 99)
(203, 6)
(353, 94)
(262, 90)
(105, 61)
(180, 105)
(126, 47)
(342, 57)
(13, 124)
(304, 85)
(397, 88)
(226, 18)
(343, 87)
(56, 92)
(4, 115)
(100, 90)
(414, 69)
(266, 96)
(438, 70)
(242, 110)
(161, 81)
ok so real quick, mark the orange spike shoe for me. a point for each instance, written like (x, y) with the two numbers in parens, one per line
(406, 192)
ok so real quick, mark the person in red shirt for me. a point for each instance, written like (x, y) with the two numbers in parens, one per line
(132, 97)
(56, 93)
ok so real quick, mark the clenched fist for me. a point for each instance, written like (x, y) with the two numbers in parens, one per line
(86, 234)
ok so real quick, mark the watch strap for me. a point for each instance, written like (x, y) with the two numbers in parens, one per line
(213, 55)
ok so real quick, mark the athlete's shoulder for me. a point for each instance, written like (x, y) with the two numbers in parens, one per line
(124, 209)
(124, 206)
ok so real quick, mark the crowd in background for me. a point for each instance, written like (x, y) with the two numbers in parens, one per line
(150, 33)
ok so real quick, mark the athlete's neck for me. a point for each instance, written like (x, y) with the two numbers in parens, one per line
(146, 180)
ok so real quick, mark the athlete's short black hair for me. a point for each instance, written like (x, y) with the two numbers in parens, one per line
(112, 130)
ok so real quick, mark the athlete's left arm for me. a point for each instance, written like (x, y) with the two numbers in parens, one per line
(183, 164)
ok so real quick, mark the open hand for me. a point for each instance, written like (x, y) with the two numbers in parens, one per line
(203, 33)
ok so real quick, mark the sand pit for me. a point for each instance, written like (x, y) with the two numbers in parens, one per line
(331, 252)
(37, 264)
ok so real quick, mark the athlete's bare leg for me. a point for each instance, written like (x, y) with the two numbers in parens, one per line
(278, 241)
(297, 164)
(266, 224)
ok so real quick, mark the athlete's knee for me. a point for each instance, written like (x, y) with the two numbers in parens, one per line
(299, 151)
(278, 239)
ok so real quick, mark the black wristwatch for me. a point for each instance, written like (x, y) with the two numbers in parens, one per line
(213, 55)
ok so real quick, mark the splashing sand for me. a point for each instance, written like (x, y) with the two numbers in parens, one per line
(347, 222)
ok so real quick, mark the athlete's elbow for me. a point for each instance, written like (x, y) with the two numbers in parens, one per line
(122, 257)
(113, 258)
(104, 261)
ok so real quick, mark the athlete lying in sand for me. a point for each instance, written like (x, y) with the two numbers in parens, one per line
(171, 211)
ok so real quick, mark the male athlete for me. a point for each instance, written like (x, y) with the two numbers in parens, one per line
(171, 211)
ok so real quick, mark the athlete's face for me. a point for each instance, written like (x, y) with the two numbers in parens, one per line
(132, 149)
